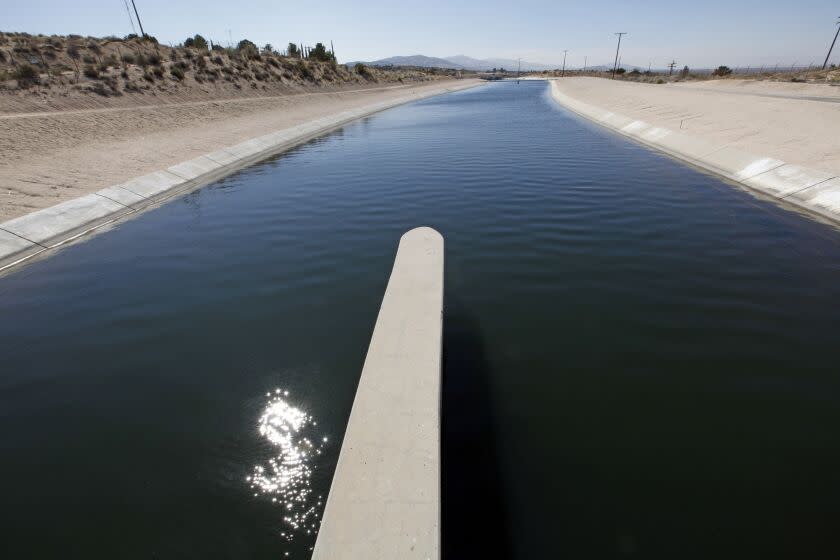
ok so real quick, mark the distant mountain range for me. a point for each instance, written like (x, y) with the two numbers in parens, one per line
(458, 62)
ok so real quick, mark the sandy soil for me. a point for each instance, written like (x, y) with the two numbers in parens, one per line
(49, 157)
(797, 123)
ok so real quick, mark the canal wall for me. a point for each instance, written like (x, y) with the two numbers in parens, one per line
(37, 233)
(384, 502)
(814, 191)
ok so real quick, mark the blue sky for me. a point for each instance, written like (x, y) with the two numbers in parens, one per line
(698, 33)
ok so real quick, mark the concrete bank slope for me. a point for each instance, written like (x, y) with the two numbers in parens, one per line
(33, 234)
(813, 190)
(384, 502)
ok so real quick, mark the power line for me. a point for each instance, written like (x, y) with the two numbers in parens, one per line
(130, 19)
(615, 66)
(831, 48)
(563, 72)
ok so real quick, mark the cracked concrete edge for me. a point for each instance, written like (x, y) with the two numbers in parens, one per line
(384, 501)
(814, 191)
(32, 234)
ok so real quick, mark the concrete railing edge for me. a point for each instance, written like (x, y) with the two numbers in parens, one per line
(814, 191)
(36, 233)
(384, 501)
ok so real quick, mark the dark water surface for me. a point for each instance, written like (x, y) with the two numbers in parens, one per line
(640, 360)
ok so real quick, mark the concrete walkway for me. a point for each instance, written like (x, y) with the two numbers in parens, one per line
(384, 503)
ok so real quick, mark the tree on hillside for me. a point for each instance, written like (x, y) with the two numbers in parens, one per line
(685, 71)
(293, 50)
(722, 71)
(321, 53)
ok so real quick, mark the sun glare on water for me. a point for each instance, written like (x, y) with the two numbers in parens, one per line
(286, 477)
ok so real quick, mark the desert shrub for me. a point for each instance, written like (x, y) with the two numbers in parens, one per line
(87, 59)
(635, 73)
(196, 42)
(148, 76)
(129, 58)
(177, 72)
(321, 53)
(218, 48)
(26, 75)
(200, 63)
(158, 71)
(131, 86)
(218, 60)
(722, 71)
(2, 56)
(248, 49)
(361, 69)
(104, 90)
(620, 71)
(155, 59)
(660, 81)
(91, 71)
(303, 70)
(188, 54)
(273, 62)
(94, 47)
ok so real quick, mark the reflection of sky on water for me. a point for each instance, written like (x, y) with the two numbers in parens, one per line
(285, 478)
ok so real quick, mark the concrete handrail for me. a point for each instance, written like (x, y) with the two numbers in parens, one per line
(384, 502)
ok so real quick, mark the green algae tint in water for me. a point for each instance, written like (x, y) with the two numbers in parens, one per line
(639, 360)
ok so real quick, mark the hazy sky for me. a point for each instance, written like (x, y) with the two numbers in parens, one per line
(697, 33)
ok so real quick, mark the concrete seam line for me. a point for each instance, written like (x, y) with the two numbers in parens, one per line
(742, 179)
(22, 237)
(132, 192)
(114, 201)
(817, 184)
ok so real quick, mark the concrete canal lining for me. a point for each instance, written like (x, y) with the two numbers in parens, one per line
(815, 191)
(33, 234)
(384, 502)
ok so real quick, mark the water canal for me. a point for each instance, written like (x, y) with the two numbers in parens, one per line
(639, 359)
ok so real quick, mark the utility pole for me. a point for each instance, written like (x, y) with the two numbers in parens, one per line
(671, 66)
(142, 33)
(831, 48)
(615, 66)
(563, 72)
(332, 50)
(585, 60)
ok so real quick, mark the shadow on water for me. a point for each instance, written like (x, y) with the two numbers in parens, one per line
(473, 505)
